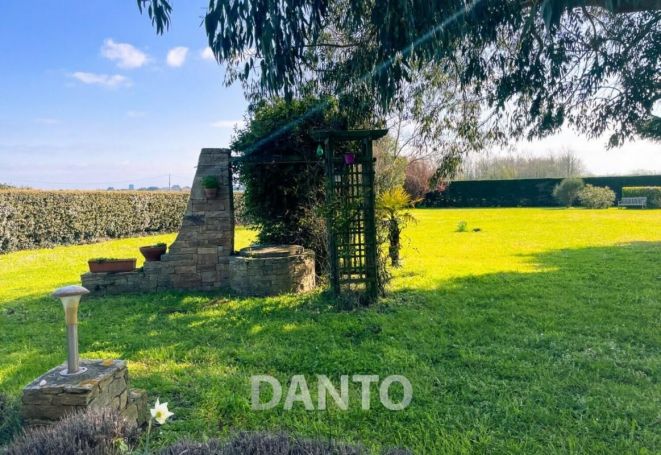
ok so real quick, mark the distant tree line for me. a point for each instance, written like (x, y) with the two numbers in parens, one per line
(521, 166)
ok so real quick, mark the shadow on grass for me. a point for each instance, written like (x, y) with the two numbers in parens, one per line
(565, 358)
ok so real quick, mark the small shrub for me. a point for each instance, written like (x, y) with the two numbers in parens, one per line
(102, 432)
(10, 421)
(269, 444)
(566, 192)
(391, 210)
(652, 193)
(596, 197)
(462, 226)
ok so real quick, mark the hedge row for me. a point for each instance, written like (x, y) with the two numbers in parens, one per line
(522, 192)
(652, 193)
(36, 219)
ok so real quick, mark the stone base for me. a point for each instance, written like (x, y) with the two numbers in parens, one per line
(104, 385)
(272, 270)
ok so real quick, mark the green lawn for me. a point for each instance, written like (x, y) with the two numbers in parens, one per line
(541, 333)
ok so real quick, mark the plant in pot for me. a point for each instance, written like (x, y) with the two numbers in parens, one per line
(108, 265)
(349, 158)
(210, 185)
(153, 253)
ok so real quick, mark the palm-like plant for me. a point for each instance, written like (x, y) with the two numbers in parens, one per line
(392, 208)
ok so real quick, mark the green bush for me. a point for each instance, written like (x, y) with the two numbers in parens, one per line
(596, 197)
(37, 219)
(566, 192)
(280, 172)
(652, 193)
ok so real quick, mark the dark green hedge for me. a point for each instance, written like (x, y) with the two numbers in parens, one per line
(652, 193)
(523, 192)
(35, 219)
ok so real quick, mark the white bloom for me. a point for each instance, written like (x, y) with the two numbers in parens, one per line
(160, 412)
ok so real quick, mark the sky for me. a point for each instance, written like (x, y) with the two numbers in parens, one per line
(91, 97)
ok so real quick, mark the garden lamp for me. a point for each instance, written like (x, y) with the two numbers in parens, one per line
(70, 297)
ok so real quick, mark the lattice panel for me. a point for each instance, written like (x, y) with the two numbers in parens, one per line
(353, 236)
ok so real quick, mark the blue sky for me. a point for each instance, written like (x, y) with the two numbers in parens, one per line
(80, 108)
(91, 97)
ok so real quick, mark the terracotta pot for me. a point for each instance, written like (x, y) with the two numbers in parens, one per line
(153, 253)
(112, 266)
(211, 193)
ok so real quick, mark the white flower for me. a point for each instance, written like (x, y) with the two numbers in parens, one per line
(160, 412)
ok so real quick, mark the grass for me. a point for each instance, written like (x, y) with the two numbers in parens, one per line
(538, 334)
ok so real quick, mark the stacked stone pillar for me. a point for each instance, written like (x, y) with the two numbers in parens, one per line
(199, 257)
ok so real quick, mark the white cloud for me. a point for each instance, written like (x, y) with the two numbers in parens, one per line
(177, 56)
(104, 80)
(227, 124)
(124, 54)
(207, 54)
(135, 114)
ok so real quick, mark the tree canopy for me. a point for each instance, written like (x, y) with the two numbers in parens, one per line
(531, 66)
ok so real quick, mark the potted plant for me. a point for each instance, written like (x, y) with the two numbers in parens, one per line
(153, 253)
(349, 158)
(108, 265)
(210, 185)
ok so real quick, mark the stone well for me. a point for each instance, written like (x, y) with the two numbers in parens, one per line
(272, 270)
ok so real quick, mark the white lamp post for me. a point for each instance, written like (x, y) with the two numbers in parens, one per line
(70, 297)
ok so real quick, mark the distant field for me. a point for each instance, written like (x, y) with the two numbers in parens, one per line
(540, 333)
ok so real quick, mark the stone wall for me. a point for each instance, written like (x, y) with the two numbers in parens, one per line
(104, 384)
(199, 257)
(272, 270)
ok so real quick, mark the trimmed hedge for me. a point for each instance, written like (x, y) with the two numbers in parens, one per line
(522, 192)
(652, 193)
(37, 219)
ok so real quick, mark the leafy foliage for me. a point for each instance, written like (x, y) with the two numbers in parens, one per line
(567, 191)
(158, 11)
(596, 197)
(210, 182)
(534, 66)
(37, 219)
(652, 193)
(282, 177)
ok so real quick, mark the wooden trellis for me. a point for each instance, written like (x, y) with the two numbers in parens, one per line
(350, 197)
